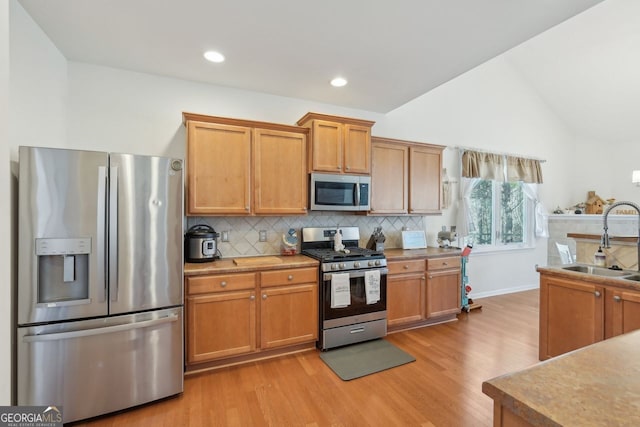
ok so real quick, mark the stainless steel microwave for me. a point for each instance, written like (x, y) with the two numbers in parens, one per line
(329, 192)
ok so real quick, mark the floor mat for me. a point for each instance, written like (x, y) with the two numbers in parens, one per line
(358, 360)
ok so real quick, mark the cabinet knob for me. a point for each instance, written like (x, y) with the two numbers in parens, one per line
(597, 294)
(290, 277)
(348, 168)
(252, 298)
(406, 267)
(223, 283)
(423, 278)
(617, 298)
(430, 277)
(264, 296)
(445, 263)
(246, 208)
(338, 167)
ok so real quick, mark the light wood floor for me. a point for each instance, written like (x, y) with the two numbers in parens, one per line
(441, 388)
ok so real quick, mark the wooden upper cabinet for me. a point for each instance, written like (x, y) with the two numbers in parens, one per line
(242, 167)
(406, 177)
(389, 178)
(218, 169)
(425, 180)
(280, 185)
(338, 144)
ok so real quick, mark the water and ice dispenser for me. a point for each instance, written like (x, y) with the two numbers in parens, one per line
(63, 270)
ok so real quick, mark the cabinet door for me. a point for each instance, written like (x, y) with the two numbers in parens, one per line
(326, 146)
(220, 325)
(288, 315)
(280, 173)
(405, 293)
(425, 180)
(389, 178)
(357, 149)
(218, 169)
(623, 312)
(443, 293)
(571, 315)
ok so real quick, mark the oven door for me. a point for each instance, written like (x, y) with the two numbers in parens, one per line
(333, 317)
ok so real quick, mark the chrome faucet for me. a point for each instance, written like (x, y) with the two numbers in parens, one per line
(605, 234)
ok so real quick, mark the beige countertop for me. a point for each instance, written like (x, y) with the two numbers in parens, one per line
(227, 265)
(430, 252)
(598, 237)
(276, 262)
(598, 385)
(591, 278)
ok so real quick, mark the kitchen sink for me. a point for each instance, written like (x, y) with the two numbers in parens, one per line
(635, 277)
(598, 271)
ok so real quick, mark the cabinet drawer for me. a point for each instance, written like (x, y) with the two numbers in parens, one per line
(406, 266)
(292, 276)
(443, 263)
(220, 283)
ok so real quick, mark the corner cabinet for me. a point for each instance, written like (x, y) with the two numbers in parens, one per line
(338, 144)
(245, 314)
(576, 313)
(405, 177)
(240, 167)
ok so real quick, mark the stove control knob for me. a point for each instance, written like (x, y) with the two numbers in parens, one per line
(343, 265)
(371, 263)
(356, 264)
(334, 266)
(377, 262)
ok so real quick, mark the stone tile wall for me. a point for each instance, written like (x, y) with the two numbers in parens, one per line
(244, 231)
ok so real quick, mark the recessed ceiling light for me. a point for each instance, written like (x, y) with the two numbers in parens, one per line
(338, 82)
(213, 56)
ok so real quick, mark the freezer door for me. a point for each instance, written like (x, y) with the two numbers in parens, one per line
(145, 233)
(61, 234)
(94, 367)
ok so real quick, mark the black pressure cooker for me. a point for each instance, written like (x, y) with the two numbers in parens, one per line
(201, 244)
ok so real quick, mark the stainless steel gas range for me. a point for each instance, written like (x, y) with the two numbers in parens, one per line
(352, 286)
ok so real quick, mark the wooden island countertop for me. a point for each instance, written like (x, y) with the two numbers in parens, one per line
(598, 385)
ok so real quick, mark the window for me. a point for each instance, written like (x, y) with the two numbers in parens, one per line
(500, 214)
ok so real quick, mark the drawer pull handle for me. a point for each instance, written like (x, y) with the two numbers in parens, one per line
(223, 283)
(290, 277)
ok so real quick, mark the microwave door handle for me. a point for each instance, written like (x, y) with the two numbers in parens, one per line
(357, 195)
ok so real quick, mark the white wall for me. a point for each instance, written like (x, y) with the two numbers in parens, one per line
(490, 108)
(33, 112)
(6, 256)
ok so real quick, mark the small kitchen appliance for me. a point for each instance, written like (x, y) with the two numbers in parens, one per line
(446, 237)
(355, 271)
(332, 192)
(201, 244)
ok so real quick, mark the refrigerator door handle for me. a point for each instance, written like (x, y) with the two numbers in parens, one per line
(101, 243)
(113, 233)
(99, 331)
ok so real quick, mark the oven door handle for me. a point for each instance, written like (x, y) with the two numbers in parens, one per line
(360, 273)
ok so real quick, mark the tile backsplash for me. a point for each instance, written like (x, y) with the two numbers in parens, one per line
(244, 232)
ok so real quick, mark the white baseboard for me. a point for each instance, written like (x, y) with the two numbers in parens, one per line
(504, 291)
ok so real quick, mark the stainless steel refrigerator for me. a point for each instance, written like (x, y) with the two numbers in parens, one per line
(100, 294)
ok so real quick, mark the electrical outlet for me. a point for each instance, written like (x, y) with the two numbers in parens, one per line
(225, 236)
(263, 235)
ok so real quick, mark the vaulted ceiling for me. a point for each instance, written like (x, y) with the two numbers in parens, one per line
(390, 52)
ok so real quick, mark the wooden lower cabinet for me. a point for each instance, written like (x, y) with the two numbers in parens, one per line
(232, 315)
(574, 314)
(405, 292)
(220, 325)
(422, 291)
(444, 281)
